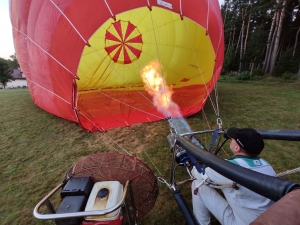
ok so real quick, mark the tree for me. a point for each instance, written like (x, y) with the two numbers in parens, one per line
(279, 22)
(13, 61)
(246, 25)
(5, 73)
(286, 63)
(262, 34)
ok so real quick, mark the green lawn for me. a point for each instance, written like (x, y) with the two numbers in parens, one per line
(38, 148)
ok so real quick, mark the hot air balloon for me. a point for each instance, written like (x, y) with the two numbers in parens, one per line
(83, 59)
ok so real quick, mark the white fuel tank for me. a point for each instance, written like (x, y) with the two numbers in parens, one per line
(104, 195)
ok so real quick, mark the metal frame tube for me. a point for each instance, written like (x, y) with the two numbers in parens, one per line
(37, 215)
(273, 188)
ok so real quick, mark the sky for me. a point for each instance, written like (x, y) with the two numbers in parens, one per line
(6, 40)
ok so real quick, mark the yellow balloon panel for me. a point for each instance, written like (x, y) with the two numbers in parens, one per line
(120, 49)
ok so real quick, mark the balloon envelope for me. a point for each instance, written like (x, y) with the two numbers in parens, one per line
(83, 59)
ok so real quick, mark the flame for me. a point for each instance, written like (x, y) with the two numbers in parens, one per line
(156, 86)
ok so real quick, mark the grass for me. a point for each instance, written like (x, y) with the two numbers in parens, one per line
(38, 148)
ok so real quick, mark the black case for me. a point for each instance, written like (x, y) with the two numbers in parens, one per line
(71, 204)
(78, 186)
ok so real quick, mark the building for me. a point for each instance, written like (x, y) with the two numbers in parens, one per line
(19, 82)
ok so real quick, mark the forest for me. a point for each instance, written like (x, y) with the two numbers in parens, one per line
(262, 37)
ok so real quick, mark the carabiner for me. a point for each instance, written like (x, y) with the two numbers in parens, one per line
(219, 122)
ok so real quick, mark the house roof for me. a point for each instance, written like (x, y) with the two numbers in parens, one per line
(17, 74)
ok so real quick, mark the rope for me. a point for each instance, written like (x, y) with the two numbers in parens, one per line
(74, 75)
(201, 73)
(106, 135)
(158, 55)
(288, 172)
(219, 43)
(119, 74)
(152, 163)
(85, 41)
(111, 13)
(137, 62)
(48, 90)
(216, 108)
(216, 86)
(129, 105)
(180, 8)
(230, 185)
(148, 3)
(217, 98)
(148, 83)
(111, 139)
(207, 122)
(207, 17)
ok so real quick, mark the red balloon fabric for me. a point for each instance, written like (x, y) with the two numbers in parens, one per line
(83, 59)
